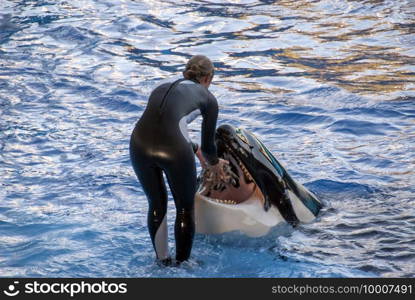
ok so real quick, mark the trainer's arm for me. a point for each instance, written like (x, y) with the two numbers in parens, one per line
(210, 116)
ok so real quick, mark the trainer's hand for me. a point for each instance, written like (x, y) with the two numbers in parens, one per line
(216, 177)
(221, 171)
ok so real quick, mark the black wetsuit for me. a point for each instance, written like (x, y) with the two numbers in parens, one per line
(160, 142)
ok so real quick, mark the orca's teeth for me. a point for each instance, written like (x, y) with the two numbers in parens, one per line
(225, 201)
(244, 170)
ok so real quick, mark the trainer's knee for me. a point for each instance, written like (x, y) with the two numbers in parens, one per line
(185, 217)
(155, 218)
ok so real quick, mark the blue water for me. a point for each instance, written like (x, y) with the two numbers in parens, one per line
(328, 86)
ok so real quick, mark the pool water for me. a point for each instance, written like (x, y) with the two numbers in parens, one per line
(328, 86)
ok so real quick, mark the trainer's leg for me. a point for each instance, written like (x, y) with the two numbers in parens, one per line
(182, 182)
(151, 179)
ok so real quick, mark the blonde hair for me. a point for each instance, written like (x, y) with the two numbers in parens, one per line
(197, 67)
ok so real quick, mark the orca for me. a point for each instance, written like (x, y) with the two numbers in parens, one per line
(262, 196)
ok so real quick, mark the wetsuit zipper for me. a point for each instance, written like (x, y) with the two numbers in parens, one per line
(162, 103)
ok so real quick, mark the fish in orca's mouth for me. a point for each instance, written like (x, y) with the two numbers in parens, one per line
(243, 185)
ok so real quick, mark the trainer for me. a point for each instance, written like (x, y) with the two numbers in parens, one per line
(160, 143)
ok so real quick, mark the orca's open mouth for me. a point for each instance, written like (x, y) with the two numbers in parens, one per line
(235, 192)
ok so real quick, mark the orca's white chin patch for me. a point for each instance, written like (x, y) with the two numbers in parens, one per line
(248, 217)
